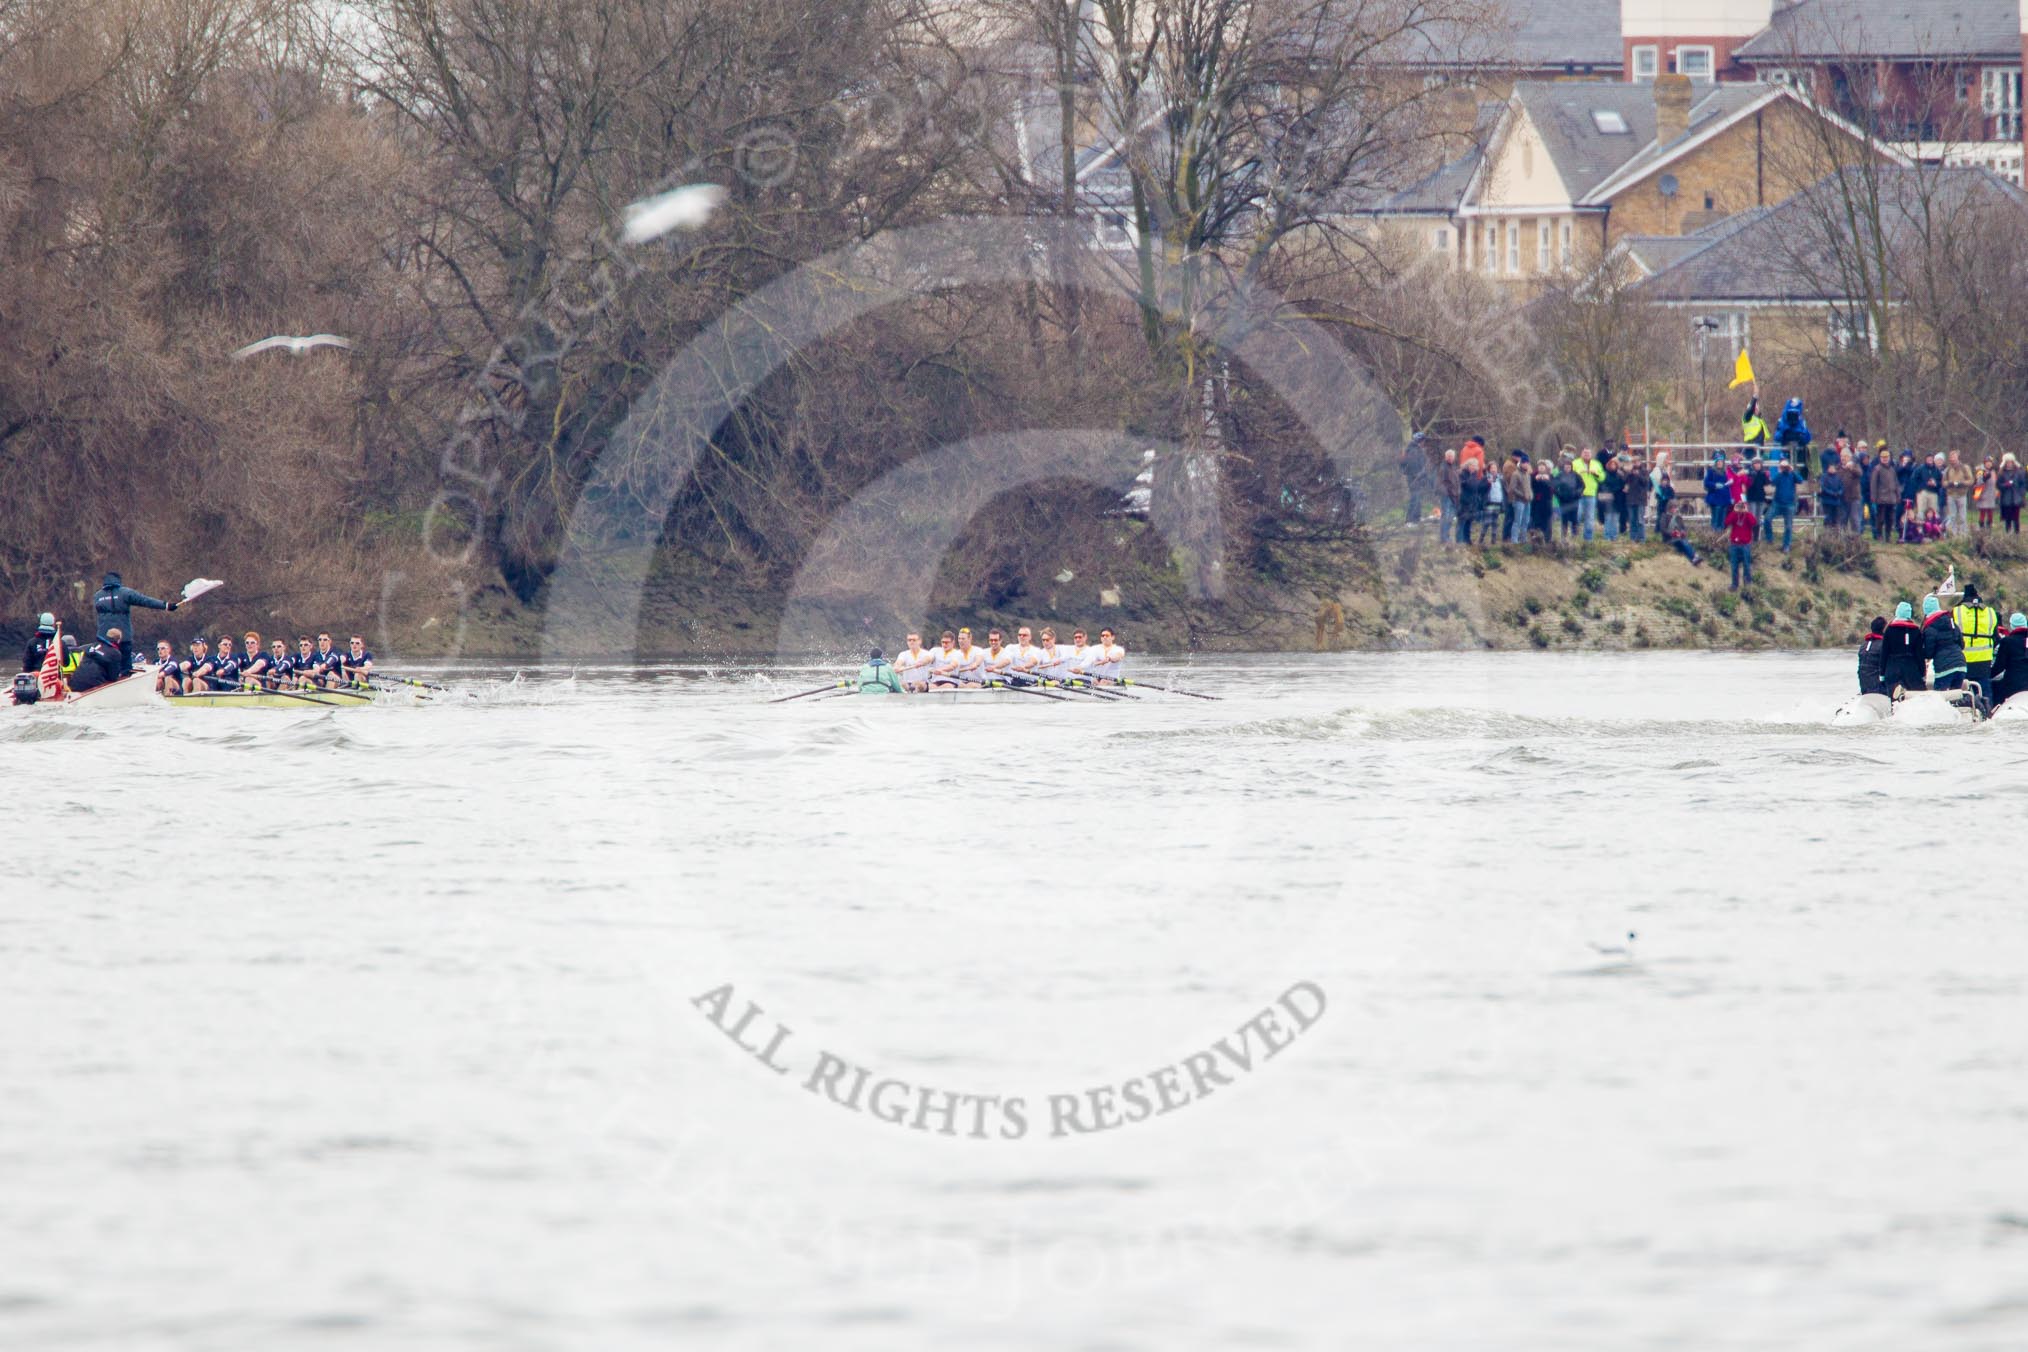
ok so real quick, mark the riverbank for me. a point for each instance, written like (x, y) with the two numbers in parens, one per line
(1399, 589)
(1617, 596)
(1402, 590)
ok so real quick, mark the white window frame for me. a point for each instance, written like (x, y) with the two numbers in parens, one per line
(1731, 331)
(1513, 248)
(2000, 99)
(1852, 329)
(1563, 252)
(1646, 65)
(1490, 259)
(1710, 75)
(1440, 241)
(1542, 235)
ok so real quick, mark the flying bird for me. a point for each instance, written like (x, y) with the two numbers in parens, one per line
(684, 208)
(1624, 952)
(296, 345)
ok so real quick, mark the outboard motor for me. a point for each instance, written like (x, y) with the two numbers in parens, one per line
(27, 690)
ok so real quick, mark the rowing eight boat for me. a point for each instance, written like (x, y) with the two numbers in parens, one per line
(270, 699)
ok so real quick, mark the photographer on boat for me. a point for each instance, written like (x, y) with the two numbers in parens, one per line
(2010, 661)
(1943, 646)
(38, 646)
(1979, 625)
(104, 661)
(1873, 659)
(1902, 651)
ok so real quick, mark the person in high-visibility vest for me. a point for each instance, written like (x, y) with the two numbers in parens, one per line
(1980, 625)
(1753, 428)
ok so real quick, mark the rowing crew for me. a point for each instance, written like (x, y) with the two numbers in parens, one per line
(255, 668)
(958, 663)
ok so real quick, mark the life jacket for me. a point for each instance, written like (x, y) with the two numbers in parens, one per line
(1979, 625)
(1753, 428)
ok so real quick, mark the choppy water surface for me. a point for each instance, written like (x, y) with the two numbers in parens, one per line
(376, 1028)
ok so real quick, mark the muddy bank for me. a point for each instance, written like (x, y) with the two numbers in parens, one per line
(1398, 590)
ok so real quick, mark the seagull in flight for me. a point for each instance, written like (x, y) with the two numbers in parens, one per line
(296, 345)
(684, 208)
(1624, 952)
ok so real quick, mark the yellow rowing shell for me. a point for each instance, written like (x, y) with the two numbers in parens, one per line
(271, 699)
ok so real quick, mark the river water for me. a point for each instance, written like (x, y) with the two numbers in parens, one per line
(1268, 1022)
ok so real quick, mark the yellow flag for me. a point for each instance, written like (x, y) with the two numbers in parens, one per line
(1742, 374)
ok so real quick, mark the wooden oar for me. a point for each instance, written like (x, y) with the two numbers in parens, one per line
(1169, 689)
(805, 694)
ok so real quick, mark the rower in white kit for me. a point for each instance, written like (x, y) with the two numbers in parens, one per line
(944, 661)
(913, 664)
(999, 664)
(1025, 668)
(1107, 658)
(971, 665)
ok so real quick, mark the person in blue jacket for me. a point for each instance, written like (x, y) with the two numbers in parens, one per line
(1791, 429)
(1831, 500)
(1717, 492)
(1784, 481)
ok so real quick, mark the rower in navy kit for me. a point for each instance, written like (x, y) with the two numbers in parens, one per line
(357, 664)
(281, 667)
(330, 663)
(256, 668)
(169, 671)
(225, 666)
(197, 667)
(303, 669)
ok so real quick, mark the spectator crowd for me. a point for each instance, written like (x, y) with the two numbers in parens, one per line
(1618, 493)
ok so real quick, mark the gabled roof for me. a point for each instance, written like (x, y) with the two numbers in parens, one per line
(1443, 192)
(1821, 30)
(1782, 254)
(1655, 254)
(1566, 115)
(1720, 107)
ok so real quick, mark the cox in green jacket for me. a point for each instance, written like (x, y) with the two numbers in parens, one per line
(877, 677)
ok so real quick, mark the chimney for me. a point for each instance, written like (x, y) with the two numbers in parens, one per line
(1672, 107)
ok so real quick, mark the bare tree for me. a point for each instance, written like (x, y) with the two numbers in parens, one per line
(1606, 342)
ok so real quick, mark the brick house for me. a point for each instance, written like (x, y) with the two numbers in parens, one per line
(1940, 78)
(1570, 168)
(1768, 279)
